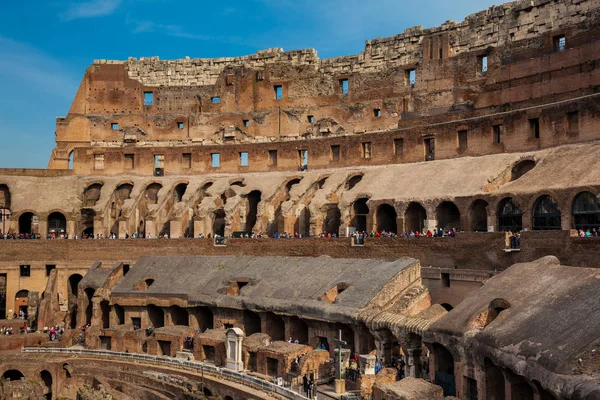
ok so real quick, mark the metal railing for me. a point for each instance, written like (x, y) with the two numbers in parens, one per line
(251, 381)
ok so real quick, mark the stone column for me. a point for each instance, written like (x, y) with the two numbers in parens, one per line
(175, 228)
(71, 229)
(150, 228)
(122, 229)
(43, 227)
(99, 227)
(413, 363)
(491, 221)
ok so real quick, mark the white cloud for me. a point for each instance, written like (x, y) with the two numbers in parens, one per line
(179, 32)
(90, 9)
(34, 68)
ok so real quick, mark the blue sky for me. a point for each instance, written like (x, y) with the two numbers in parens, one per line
(45, 45)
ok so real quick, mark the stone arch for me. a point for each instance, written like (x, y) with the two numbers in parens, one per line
(46, 378)
(151, 192)
(87, 221)
(543, 393)
(387, 344)
(91, 194)
(28, 223)
(546, 214)
(360, 213)
(275, 327)
(237, 182)
(22, 302)
(71, 161)
(4, 196)
(13, 375)
(179, 192)
(252, 322)
(521, 168)
(353, 180)
(448, 216)
(254, 198)
(219, 222)
(478, 213)
(57, 224)
(332, 221)
(510, 216)
(179, 316)
(89, 305)
(73, 292)
(444, 369)
(415, 217)
(298, 329)
(447, 306)
(585, 211)
(156, 316)
(386, 218)
(123, 190)
(488, 315)
(203, 317)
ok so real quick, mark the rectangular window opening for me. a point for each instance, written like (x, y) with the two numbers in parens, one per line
(272, 157)
(445, 279)
(129, 159)
(411, 76)
(187, 160)
(25, 270)
(429, 149)
(49, 268)
(377, 112)
(180, 125)
(215, 100)
(278, 92)
(98, 161)
(398, 146)
(159, 165)
(244, 159)
(344, 86)
(366, 150)
(246, 122)
(560, 43)
(482, 64)
(462, 139)
(216, 160)
(114, 126)
(497, 130)
(148, 98)
(573, 122)
(311, 119)
(335, 152)
(303, 158)
(534, 127)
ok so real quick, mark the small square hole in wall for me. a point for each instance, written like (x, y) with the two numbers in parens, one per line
(311, 119)
(344, 86)
(114, 126)
(216, 160)
(278, 92)
(216, 100)
(411, 76)
(246, 122)
(180, 125)
(244, 159)
(148, 98)
(377, 112)
(560, 42)
(482, 64)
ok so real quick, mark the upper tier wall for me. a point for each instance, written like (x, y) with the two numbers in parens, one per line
(497, 26)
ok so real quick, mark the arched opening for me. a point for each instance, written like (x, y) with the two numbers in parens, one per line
(219, 222)
(488, 316)
(144, 283)
(152, 193)
(87, 222)
(46, 377)
(331, 225)
(521, 168)
(13, 375)
(71, 159)
(123, 191)
(291, 183)
(57, 224)
(478, 216)
(546, 214)
(28, 223)
(119, 313)
(105, 310)
(448, 216)
(444, 369)
(302, 224)
(91, 194)
(237, 182)
(494, 381)
(228, 398)
(73, 284)
(519, 388)
(386, 218)
(251, 322)
(510, 216)
(414, 217)
(89, 307)
(179, 316)
(388, 347)
(179, 192)
(22, 303)
(447, 307)
(204, 318)
(321, 182)
(207, 393)
(67, 368)
(586, 211)
(156, 315)
(353, 181)
(360, 211)
(275, 327)
(253, 200)
(543, 393)
(298, 330)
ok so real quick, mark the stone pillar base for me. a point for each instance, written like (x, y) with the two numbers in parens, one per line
(340, 386)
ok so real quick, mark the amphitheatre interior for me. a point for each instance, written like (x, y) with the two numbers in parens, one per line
(416, 221)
